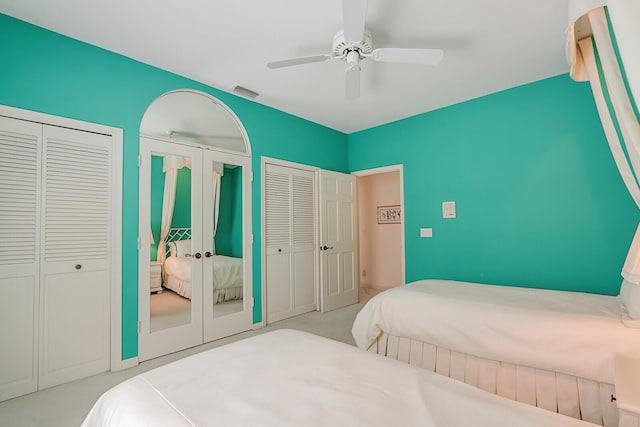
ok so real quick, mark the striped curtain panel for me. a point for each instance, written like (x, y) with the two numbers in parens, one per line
(604, 48)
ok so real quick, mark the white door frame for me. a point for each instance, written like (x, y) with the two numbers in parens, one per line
(263, 244)
(116, 214)
(385, 169)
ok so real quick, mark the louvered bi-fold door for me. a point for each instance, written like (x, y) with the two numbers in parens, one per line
(19, 256)
(75, 272)
(290, 230)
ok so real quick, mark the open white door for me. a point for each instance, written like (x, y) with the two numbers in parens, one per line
(338, 240)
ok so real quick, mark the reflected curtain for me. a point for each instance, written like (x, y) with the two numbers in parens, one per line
(170, 166)
(218, 172)
(603, 49)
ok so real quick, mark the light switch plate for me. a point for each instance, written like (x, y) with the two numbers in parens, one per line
(448, 209)
(426, 232)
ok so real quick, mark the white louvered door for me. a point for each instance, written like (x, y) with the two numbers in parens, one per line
(75, 273)
(55, 228)
(19, 255)
(290, 242)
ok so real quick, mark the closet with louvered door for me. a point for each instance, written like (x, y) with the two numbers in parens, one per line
(20, 145)
(55, 228)
(290, 242)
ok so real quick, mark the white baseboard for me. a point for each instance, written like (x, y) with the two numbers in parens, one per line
(125, 364)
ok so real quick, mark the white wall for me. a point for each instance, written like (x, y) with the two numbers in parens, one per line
(380, 244)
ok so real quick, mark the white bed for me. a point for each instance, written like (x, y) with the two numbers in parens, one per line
(227, 271)
(292, 378)
(227, 277)
(551, 349)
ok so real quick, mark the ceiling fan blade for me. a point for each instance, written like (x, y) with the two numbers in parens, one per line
(352, 82)
(408, 56)
(354, 13)
(299, 61)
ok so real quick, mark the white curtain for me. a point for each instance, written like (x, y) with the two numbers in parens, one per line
(218, 171)
(170, 167)
(603, 48)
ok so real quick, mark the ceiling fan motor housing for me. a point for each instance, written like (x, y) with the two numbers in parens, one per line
(341, 47)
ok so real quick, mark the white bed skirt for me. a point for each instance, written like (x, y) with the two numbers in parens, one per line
(566, 394)
(228, 294)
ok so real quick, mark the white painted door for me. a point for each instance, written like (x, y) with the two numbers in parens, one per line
(168, 321)
(338, 240)
(20, 145)
(227, 246)
(290, 241)
(75, 258)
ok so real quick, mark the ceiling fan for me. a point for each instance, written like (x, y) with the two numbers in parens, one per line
(354, 43)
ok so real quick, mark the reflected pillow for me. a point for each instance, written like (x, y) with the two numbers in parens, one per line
(630, 302)
(181, 248)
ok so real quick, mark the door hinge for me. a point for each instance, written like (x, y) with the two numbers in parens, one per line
(251, 176)
(252, 238)
(253, 302)
(139, 247)
(139, 160)
(139, 326)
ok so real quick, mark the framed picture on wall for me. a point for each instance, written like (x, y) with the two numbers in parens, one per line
(389, 214)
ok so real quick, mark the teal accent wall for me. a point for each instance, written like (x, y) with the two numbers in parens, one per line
(540, 202)
(50, 73)
(229, 231)
(182, 208)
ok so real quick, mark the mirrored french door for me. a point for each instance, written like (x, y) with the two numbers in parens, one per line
(195, 246)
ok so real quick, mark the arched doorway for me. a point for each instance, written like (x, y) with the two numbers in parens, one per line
(195, 257)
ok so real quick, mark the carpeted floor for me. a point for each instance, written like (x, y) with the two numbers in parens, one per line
(66, 405)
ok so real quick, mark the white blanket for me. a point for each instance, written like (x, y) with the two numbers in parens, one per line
(570, 332)
(227, 273)
(291, 378)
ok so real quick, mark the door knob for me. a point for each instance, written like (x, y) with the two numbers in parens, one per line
(325, 247)
(198, 255)
(208, 254)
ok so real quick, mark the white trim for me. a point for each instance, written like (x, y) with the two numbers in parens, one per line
(386, 169)
(263, 261)
(288, 164)
(116, 255)
(116, 211)
(131, 362)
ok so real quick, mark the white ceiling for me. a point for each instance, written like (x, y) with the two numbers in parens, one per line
(490, 45)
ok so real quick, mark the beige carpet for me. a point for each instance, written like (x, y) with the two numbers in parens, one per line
(66, 405)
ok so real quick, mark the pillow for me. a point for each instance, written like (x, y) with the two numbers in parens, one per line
(183, 247)
(630, 301)
(172, 249)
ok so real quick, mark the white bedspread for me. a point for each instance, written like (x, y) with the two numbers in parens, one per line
(291, 378)
(570, 332)
(227, 273)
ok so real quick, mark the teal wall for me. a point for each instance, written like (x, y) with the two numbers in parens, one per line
(182, 208)
(47, 72)
(157, 194)
(229, 231)
(539, 200)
